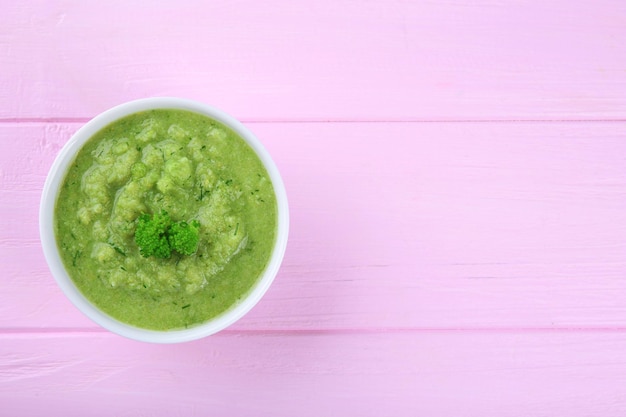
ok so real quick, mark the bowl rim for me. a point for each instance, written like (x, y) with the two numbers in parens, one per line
(50, 192)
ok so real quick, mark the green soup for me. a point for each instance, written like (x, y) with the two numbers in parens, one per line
(195, 169)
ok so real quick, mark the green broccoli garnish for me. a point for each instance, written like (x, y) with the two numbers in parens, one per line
(151, 235)
(183, 237)
(157, 236)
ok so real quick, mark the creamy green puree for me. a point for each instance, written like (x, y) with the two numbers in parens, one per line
(195, 169)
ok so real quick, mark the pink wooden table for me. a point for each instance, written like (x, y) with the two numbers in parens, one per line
(457, 180)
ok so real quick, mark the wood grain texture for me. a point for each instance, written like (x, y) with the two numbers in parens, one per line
(456, 172)
(395, 225)
(401, 374)
(340, 60)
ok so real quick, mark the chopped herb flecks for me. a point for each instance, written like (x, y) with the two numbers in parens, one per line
(76, 255)
(201, 193)
(117, 249)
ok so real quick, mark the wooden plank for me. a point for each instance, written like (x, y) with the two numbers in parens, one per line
(395, 225)
(337, 60)
(371, 374)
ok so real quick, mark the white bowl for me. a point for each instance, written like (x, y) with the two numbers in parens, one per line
(46, 227)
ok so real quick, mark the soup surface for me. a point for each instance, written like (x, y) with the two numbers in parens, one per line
(191, 167)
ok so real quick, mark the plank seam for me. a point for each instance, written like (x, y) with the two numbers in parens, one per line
(347, 121)
(269, 332)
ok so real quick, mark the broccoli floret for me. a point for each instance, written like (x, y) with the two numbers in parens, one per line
(183, 237)
(157, 236)
(151, 235)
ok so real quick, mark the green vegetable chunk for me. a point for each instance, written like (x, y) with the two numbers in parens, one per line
(183, 237)
(157, 236)
(151, 235)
